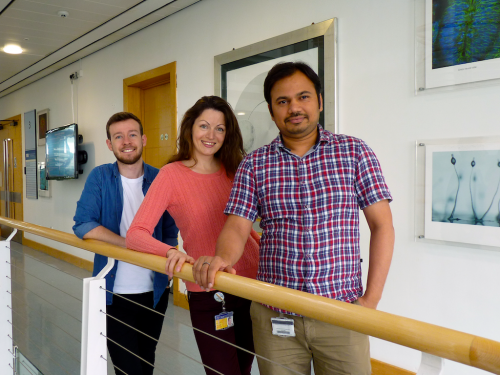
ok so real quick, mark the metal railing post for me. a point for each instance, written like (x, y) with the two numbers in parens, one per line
(6, 345)
(94, 348)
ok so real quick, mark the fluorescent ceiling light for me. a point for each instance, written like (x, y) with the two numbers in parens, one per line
(241, 113)
(13, 49)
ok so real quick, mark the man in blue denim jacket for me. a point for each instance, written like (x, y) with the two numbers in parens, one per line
(109, 201)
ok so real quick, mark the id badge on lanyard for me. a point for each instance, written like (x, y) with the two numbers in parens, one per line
(225, 319)
(283, 327)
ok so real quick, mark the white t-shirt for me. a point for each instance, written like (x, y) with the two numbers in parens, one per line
(131, 279)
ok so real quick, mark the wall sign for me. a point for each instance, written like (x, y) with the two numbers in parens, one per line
(30, 154)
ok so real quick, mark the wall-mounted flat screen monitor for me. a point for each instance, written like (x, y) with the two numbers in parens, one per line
(61, 153)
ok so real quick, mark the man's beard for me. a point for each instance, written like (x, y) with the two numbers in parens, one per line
(128, 161)
(297, 129)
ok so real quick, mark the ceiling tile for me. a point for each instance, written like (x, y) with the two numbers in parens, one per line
(151, 18)
(28, 32)
(75, 31)
(53, 6)
(117, 3)
(11, 64)
(3, 4)
(81, 20)
(37, 49)
(9, 35)
(181, 4)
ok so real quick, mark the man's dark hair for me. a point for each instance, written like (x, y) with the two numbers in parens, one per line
(122, 116)
(286, 69)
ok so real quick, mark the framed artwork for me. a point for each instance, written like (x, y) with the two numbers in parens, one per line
(43, 183)
(462, 41)
(462, 192)
(43, 126)
(240, 74)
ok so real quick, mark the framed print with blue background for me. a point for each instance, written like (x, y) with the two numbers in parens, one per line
(240, 75)
(43, 183)
(460, 191)
(461, 41)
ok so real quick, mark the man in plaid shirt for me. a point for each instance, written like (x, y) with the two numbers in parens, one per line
(308, 186)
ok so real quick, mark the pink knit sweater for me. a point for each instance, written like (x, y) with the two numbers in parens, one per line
(196, 202)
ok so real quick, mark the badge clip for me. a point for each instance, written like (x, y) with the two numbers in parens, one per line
(225, 319)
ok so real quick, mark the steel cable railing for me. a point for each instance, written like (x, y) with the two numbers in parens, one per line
(116, 367)
(45, 354)
(71, 335)
(169, 346)
(194, 329)
(35, 319)
(446, 343)
(40, 279)
(33, 330)
(56, 344)
(46, 283)
(21, 276)
(152, 338)
(158, 341)
(48, 302)
(129, 351)
(21, 363)
(26, 367)
(43, 340)
(20, 254)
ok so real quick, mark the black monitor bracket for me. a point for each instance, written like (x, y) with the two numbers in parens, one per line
(82, 156)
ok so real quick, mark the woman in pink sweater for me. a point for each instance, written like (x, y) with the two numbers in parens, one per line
(194, 188)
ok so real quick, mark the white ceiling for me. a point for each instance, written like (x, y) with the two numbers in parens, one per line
(51, 42)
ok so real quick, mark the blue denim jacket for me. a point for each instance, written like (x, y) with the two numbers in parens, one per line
(101, 203)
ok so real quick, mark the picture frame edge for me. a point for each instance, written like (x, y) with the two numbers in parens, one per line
(328, 29)
(41, 142)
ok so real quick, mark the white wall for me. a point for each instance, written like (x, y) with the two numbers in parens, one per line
(455, 287)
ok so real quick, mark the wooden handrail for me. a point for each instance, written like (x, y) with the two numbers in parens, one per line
(457, 346)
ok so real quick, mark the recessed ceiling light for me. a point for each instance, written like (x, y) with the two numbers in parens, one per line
(13, 49)
(241, 113)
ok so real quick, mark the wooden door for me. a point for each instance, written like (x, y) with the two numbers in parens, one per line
(158, 126)
(15, 172)
(151, 96)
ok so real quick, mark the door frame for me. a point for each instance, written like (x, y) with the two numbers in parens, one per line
(20, 164)
(133, 97)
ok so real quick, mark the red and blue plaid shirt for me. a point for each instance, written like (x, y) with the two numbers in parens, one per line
(309, 208)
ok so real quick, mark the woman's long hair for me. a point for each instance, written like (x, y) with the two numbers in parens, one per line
(231, 153)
